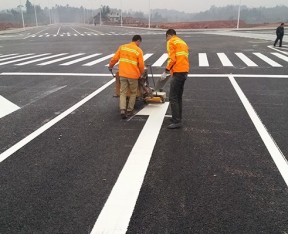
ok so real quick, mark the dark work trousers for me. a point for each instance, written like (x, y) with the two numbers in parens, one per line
(278, 38)
(175, 96)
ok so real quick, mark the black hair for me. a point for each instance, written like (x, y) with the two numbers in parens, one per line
(170, 32)
(137, 38)
(282, 24)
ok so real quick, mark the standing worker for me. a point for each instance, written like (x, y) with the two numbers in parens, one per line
(131, 67)
(279, 34)
(178, 67)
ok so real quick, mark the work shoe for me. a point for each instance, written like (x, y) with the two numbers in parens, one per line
(123, 114)
(130, 113)
(174, 126)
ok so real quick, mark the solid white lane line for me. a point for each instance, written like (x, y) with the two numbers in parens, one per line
(118, 209)
(41, 59)
(224, 60)
(98, 60)
(267, 60)
(48, 125)
(203, 60)
(281, 56)
(161, 60)
(79, 60)
(7, 55)
(246, 60)
(7, 107)
(276, 154)
(59, 59)
(22, 59)
(13, 57)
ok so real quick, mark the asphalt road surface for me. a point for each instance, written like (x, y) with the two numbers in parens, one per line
(69, 164)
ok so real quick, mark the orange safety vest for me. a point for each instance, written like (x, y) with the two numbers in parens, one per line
(131, 63)
(178, 52)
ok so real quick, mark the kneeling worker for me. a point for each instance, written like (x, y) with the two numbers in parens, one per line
(131, 67)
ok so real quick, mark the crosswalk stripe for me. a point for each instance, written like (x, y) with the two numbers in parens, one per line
(203, 60)
(281, 56)
(79, 60)
(161, 60)
(246, 60)
(98, 60)
(18, 56)
(41, 59)
(22, 59)
(267, 60)
(60, 59)
(7, 55)
(224, 60)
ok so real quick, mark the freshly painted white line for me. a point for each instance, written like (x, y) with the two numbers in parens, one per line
(246, 60)
(75, 30)
(58, 31)
(98, 60)
(7, 107)
(118, 209)
(273, 48)
(79, 60)
(276, 154)
(22, 59)
(281, 56)
(203, 60)
(48, 125)
(224, 60)
(13, 57)
(41, 59)
(161, 60)
(267, 60)
(7, 55)
(155, 75)
(36, 33)
(59, 59)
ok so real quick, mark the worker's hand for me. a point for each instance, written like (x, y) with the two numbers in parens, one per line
(110, 69)
(164, 75)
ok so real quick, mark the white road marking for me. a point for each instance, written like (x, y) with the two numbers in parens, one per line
(246, 60)
(75, 30)
(161, 60)
(18, 56)
(203, 60)
(98, 60)
(58, 31)
(7, 107)
(224, 60)
(118, 209)
(276, 154)
(7, 55)
(22, 59)
(281, 56)
(267, 60)
(48, 125)
(34, 35)
(41, 59)
(79, 60)
(60, 59)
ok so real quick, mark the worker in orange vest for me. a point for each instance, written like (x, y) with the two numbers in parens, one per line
(131, 67)
(178, 68)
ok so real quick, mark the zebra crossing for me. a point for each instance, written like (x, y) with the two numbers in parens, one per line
(239, 59)
(86, 34)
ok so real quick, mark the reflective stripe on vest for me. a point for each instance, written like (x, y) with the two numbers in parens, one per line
(182, 53)
(130, 50)
(128, 61)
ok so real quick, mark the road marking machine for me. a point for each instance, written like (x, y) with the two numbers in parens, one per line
(145, 92)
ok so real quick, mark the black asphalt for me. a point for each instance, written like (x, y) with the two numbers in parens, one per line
(214, 175)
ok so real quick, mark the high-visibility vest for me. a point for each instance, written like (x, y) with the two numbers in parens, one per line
(178, 55)
(131, 62)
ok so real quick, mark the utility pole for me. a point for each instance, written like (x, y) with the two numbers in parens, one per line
(121, 18)
(36, 21)
(20, 6)
(239, 11)
(149, 15)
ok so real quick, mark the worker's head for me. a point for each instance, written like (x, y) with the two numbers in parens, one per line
(170, 33)
(137, 39)
(282, 24)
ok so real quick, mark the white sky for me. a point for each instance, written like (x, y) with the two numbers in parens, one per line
(143, 5)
